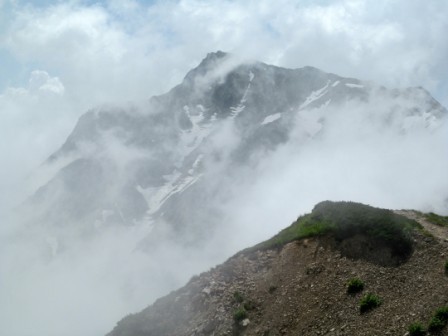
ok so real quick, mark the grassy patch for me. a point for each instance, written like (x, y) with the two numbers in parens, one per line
(238, 297)
(439, 320)
(240, 314)
(369, 302)
(305, 226)
(416, 329)
(436, 219)
(436, 325)
(442, 313)
(355, 285)
(346, 219)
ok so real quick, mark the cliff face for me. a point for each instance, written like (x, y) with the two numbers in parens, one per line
(153, 163)
(300, 288)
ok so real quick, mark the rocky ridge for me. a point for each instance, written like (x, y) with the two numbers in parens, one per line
(151, 164)
(301, 289)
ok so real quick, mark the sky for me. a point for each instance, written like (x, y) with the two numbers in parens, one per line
(58, 59)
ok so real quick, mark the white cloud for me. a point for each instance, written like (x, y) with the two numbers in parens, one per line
(41, 81)
(34, 119)
(126, 50)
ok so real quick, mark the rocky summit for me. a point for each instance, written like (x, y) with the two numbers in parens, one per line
(318, 277)
(153, 163)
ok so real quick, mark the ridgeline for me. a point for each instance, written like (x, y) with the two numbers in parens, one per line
(344, 269)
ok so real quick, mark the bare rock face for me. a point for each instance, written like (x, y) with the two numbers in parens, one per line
(133, 164)
(300, 288)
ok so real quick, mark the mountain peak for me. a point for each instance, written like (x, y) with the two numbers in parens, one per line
(210, 62)
(213, 56)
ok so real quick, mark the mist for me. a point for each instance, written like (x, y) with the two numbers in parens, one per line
(355, 158)
(63, 281)
(73, 57)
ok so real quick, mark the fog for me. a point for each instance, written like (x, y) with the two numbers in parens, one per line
(61, 283)
(355, 158)
(69, 57)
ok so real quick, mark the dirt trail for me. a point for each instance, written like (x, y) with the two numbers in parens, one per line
(436, 230)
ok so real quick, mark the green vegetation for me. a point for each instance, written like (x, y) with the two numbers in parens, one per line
(436, 219)
(439, 320)
(240, 314)
(436, 325)
(346, 219)
(355, 285)
(305, 226)
(238, 297)
(244, 306)
(416, 329)
(369, 302)
(442, 313)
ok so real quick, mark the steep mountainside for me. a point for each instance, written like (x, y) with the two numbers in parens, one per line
(297, 282)
(154, 163)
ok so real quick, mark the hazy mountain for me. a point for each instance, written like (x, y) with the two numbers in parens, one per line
(144, 195)
(167, 162)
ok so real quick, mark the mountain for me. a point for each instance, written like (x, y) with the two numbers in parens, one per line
(170, 163)
(314, 278)
(143, 195)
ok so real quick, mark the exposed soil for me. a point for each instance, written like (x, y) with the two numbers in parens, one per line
(301, 289)
(436, 230)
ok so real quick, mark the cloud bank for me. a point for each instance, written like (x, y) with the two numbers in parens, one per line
(63, 58)
(113, 51)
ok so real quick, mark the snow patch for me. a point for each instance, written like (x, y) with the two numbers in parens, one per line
(271, 118)
(315, 95)
(425, 120)
(235, 110)
(335, 83)
(156, 197)
(196, 164)
(326, 103)
(352, 85)
(193, 137)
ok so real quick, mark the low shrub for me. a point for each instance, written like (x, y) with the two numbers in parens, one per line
(439, 320)
(369, 302)
(240, 314)
(355, 285)
(238, 297)
(436, 325)
(416, 329)
(442, 313)
(347, 219)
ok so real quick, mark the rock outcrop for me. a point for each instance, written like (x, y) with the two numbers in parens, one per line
(300, 288)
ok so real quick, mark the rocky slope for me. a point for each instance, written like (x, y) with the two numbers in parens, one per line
(153, 163)
(300, 288)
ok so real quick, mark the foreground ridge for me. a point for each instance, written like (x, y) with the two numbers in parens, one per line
(318, 283)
